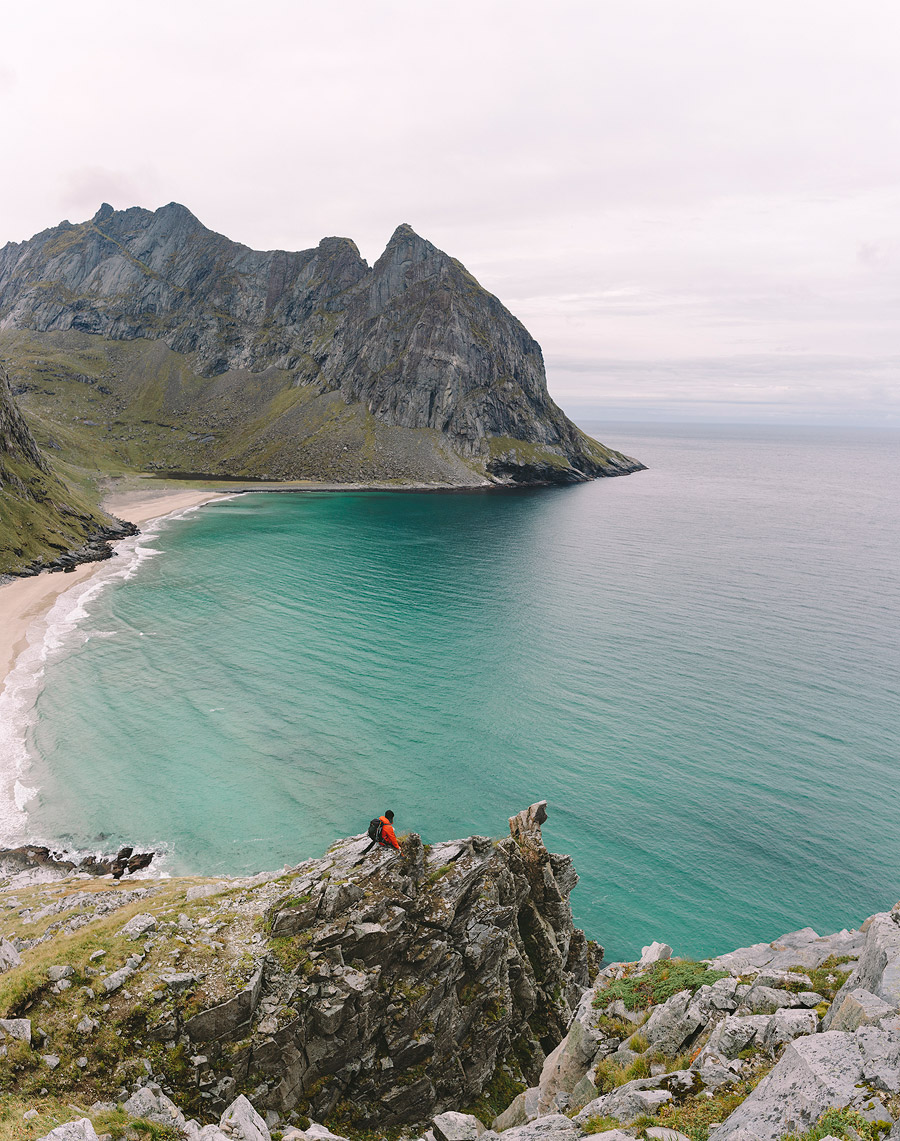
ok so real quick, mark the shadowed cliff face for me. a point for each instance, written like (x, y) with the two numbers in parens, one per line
(368, 987)
(43, 523)
(413, 343)
(16, 441)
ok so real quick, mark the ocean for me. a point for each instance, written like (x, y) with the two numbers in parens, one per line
(696, 666)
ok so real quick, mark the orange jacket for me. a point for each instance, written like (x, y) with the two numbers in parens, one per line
(388, 836)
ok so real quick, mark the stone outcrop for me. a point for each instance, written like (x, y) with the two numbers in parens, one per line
(434, 964)
(367, 987)
(285, 365)
(18, 862)
(370, 990)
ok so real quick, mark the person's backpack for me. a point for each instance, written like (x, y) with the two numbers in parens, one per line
(375, 827)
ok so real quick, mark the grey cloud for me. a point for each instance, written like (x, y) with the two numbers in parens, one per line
(84, 188)
(638, 179)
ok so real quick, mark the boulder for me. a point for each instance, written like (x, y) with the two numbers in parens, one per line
(628, 1102)
(452, 1126)
(242, 1123)
(137, 926)
(766, 1000)
(584, 1092)
(179, 981)
(19, 1028)
(227, 1017)
(568, 1063)
(80, 1130)
(880, 1048)
(118, 978)
(612, 1135)
(654, 954)
(522, 1109)
(786, 1025)
(552, 1127)
(9, 956)
(859, 1007)
(878, 970)
(804, 948)
(735, 1033)
(316, 1132)
(772, 977)
(813, 1074)
(673, 1023)
(151, 1103)
(54, 974)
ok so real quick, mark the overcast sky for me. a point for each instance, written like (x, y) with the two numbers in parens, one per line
(694, 205)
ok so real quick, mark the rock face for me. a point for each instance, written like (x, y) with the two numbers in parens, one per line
(287, 365)
(363, 987)
(419, 975)
(375, 989)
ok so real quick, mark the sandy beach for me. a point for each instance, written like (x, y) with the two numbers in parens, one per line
(26, 599)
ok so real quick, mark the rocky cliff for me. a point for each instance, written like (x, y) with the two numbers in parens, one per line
(444, 987)
(44, 521)
(368, 988)
(183, 350)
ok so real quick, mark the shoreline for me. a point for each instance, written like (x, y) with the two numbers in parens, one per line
(25, 601)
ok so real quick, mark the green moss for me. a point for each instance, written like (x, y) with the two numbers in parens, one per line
(845, 1123)
(694, 1115)
(827, 979)
(614, 1027)
(496, 1096)
(657, 984)
(120, 1124)
(291, 952)
(600, 1123)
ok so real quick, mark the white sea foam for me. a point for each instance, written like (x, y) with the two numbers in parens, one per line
(49, 638)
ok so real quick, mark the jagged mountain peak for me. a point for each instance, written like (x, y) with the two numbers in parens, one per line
(413, 343)
(406, 243)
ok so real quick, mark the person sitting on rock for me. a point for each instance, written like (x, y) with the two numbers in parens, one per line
(381, 831)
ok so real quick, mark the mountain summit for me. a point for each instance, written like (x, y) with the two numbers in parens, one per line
(220, 359)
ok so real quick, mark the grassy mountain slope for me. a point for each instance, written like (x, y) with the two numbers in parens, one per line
(46, 508)
(185, 351)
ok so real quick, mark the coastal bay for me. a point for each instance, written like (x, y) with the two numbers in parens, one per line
(692, 666)
(25, 600)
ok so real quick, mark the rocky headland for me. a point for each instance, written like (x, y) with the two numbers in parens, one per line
(161, 344)
(142, 342)
(46, 521)
(442, 992)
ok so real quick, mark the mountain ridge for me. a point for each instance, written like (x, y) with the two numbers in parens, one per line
(405, 370)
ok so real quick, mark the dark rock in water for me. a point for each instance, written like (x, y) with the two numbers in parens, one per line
(96, 549)
(16, 860)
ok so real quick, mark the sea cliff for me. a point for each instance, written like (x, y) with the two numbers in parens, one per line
(156, 343)
(441, 991)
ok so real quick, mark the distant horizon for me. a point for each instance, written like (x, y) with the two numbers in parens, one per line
(712, 187)
(622, 416)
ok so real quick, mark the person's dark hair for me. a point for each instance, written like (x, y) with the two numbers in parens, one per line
(390, 815)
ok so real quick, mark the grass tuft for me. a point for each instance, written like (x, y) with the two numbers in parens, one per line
(657, 984)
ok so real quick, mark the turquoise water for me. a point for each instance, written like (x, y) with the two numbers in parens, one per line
(697, 666)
